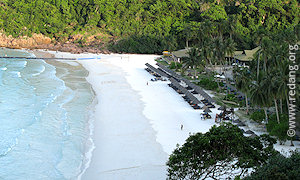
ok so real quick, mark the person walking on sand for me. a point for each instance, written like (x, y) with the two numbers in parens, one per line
(181, 127)
(216, 119)
(147, 83)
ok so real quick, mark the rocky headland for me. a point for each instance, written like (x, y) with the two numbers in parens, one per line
(40, 41)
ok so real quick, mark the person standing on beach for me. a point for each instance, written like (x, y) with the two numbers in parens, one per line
(181, 127)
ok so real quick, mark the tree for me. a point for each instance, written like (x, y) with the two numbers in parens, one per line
(279, 167)
(259, 93)
(243, 81)
(218, 50)
(273, 92)
(224, 150)
(193, 60)
(279, 129)
(189, 32)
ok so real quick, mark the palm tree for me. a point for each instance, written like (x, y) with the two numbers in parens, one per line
(230, 47)
(273, 89)
(231, 26)
(258, 92)
(282, 78)
(262, 53)
(243, 81)
(194, 59)
(266, 51)
(218, 50)
(206, 50)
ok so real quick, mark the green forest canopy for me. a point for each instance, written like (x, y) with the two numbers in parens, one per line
(170, 21)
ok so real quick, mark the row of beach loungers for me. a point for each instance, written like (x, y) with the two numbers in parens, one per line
(190, 85)
(157, 72)
(189, 97)
(176, 81)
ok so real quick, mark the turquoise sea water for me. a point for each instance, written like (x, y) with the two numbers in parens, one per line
(44, 115)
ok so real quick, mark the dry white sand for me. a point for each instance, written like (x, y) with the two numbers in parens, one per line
(136, 126)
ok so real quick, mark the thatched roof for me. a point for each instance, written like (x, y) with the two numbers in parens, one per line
(246, 55)
(181, 53)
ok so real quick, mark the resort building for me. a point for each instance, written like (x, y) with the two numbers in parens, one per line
(245, 56)
(240, 57)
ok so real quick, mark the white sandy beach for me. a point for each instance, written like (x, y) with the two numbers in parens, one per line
(136, 126)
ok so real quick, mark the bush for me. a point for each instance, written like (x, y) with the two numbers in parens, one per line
(230, 97)
(278, 130)
(221, 151)
(175, 65)
(178, 65)
(207, 83)
(172, 65)
(279, 167)
(258, 116)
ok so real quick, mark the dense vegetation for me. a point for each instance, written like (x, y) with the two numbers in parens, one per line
(148, 26)
(265, 82)
(279, 167)
(224, 150)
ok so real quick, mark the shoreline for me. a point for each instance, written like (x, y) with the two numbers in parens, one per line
(106, 135)
(119, 81)
(140, 109)
(89, 147)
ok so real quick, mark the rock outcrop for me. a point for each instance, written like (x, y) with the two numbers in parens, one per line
(39, 41)
(24, 41)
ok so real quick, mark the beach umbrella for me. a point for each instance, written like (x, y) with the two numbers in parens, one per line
(222, 108)
(232, 110)
(207, 110)
(189, 88)
(194, 92)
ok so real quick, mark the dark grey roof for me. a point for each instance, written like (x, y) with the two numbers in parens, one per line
(198, 90)
(171, 72)
(189, 83)
(156, 70)
(241, 124)
(185, 91)
(221, 108)
(207, 110)
(249, 132)
(253, 136)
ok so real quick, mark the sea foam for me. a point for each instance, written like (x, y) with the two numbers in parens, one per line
(43, 121)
